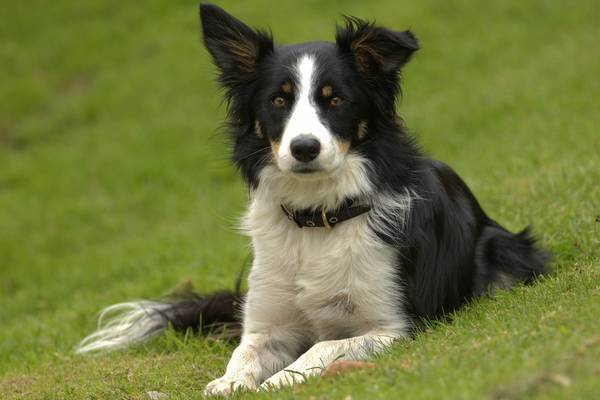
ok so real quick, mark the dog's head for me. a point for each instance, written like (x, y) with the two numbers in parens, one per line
(304, 108)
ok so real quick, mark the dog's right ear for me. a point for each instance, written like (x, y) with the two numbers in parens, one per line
(236, 49)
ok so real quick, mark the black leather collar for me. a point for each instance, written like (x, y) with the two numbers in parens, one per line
(320, 218)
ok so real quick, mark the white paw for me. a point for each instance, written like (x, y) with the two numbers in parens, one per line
(281, 379)
(225, 386)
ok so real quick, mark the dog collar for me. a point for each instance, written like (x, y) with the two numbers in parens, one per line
(313, 218)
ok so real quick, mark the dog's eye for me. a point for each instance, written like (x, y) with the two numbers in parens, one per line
(279, 102)
(335, 101)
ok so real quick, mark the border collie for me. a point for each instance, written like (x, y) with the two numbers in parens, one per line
(357, 236)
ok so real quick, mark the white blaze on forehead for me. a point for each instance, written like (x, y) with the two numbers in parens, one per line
(305, 69)
(304, 119)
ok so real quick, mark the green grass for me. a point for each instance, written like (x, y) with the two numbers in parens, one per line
(115, 184)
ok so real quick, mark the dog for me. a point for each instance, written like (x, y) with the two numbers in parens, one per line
(357, 237)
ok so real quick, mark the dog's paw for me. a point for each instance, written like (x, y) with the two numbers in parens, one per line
(281, 379)
(225, 386)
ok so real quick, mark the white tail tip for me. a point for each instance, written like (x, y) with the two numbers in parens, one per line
(124, 324)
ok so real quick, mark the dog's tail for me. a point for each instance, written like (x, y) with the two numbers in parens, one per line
(124, 324)
(504, 259)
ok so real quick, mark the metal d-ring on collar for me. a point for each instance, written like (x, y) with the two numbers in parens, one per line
(312, 218)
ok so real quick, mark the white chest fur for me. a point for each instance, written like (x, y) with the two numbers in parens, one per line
(342, 281)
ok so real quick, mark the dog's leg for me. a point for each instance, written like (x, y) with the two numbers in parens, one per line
(321, 355)
(255, 359)
(274, 334)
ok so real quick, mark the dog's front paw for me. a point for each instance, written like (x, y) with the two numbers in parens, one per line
(226, 385)
(281, 379)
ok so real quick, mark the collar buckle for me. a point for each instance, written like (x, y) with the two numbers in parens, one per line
(324, 218)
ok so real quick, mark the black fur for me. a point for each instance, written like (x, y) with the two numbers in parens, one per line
(215, 313)
(450, 250)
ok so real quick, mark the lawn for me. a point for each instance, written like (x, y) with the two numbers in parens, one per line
(115, 184)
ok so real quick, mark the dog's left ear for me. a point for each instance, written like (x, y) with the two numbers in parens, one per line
(235, 48)
(375, 49)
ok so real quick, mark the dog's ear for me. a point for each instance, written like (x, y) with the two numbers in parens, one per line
(375, 49)
(235, 48)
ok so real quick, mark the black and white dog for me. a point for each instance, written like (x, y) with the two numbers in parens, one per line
(357, 236)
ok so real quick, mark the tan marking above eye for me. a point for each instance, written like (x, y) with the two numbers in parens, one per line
(279, 102)
(287, 87)
(327, 91)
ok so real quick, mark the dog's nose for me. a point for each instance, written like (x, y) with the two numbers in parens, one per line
(305, 148)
